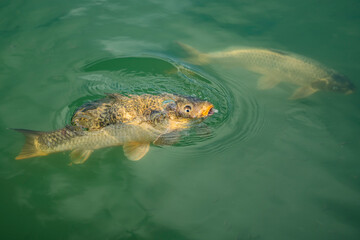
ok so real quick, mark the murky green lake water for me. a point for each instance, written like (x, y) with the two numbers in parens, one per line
(269, 167)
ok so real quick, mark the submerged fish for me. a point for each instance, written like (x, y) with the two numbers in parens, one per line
(277, 66)
(134, 122)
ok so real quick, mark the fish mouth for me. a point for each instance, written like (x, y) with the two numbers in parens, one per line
(209, 111)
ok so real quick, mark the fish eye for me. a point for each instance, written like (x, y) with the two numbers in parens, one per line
(187, 108)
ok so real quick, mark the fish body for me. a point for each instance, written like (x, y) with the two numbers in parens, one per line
(82, 143)
(117, 108)
(139, 125)
(277, 66)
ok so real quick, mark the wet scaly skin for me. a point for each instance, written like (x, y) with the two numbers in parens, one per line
(118, 108)
(134, 122)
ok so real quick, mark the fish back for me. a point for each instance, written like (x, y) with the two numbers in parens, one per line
(94, 115)
(289, 66)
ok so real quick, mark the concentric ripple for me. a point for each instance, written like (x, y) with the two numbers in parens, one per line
(243, 122)
(239, 115)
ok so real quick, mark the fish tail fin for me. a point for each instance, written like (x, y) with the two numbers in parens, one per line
(29, 149)
(195, 56)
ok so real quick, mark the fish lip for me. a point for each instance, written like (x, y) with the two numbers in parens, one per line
(209, 111)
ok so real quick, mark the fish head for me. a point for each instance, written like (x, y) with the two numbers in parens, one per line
(191, 108)
(335, 82)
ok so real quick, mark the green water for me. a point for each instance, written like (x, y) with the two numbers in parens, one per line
(267, 167)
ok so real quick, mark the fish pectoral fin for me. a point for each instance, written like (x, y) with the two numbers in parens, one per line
(79, 156)
(267, 82)
(303, 92)
(168, 138)
(115, 96)
(136, 150)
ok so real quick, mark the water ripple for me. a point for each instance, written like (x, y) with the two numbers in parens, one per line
(243, 121)
(240, 117)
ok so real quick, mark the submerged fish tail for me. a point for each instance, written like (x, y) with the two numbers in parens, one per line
(30, 148)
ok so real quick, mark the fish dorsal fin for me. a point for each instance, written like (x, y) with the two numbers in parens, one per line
(136, 150)
(303, 92)
(267, 82)
(116, 96)
(79, 156)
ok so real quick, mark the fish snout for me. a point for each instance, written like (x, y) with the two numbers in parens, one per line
(208, 111)
(340, 83)
(350, 88)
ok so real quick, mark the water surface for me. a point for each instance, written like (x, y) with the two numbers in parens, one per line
(264, 167)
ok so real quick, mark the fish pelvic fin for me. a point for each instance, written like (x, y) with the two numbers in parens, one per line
(136, 150)
(267, 82)
(30, 149)
(195, 56)
(79, 156)
(303, 92)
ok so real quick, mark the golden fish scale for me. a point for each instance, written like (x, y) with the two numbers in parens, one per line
(118, 109)
(134, 121)
(289, 67)
(113, 135)
(126, 123)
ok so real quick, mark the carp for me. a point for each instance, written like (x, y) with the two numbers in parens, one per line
(276, 66)
(133, 121)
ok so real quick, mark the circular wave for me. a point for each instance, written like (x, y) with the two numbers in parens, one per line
(244, 120)
(239, 117)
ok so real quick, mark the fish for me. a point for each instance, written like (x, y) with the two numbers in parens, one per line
(135, 122)
(277, 66)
